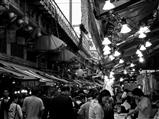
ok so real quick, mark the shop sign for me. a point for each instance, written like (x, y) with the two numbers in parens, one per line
(49, 6)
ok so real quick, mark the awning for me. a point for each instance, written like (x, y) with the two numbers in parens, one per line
(29, 73)
(16, 74)
(49, 42)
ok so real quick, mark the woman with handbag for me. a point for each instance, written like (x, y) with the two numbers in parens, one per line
(15, 111)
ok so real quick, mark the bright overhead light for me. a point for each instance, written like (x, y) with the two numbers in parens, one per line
(107, 52)
(12, 14)
(121, 61)
(116, 54)
(125, 71)
(111, 57)
(141, 60)
(125, 29)
(106, 48)
(121, 79)
(106, 41)
(144, 29)
(108, 5)
(148, 44)
(142, 48)
(142, 35)
(132, 65)
(139, 53)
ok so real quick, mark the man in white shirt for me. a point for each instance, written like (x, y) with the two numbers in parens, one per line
(33, 106)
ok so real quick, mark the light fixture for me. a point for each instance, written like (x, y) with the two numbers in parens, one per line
(125, 71)
(132, 65)
(144, 29)
(142, 35)
(116, 53)
(121, 61)
(106, 41)
(139, 53)
(142, 48)
(106, 48)
(107, 52)
(125, 29)
(11, 15)
(148, 44)
(30, 28)
(121, 79)
(108, 5)
(20, 21)
(111, 57)
(141, 60)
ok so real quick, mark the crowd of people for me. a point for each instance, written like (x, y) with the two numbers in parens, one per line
(95, 104)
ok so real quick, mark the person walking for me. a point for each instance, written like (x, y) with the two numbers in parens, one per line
(15, 111)
(83, 112)
(61, 106)
(143, 105)
(4, 105)
(33, 106)
(96, 109)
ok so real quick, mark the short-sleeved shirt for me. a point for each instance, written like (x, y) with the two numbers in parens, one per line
(15, 111)
(33, 106)
(84, 110)
(95, 110)
(144, 108)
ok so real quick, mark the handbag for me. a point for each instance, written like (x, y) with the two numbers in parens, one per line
(15, 112)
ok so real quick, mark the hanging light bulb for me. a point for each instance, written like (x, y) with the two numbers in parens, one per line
(107, 52)
(144, 29)
(20, 21)
(142, 48)
(125, 71)
(111, 57)
(106, 48)
(148, 44)
(108, 5)
(125, 29)
(141, 60)
(116, 54)
(121, 79)
(142, 35)
(139, 53)
(12, 14)
(132, 65)
(106, 41)
(121, 61)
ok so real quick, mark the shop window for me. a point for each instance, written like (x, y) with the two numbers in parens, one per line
(17, 50)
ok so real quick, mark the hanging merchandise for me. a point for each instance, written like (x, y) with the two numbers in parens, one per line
(146, 85)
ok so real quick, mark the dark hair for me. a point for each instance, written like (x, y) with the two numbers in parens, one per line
(137, 92)
(93, 93)
(35, 91)
(102, 94)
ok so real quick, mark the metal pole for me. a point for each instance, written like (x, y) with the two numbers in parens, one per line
(70, 10)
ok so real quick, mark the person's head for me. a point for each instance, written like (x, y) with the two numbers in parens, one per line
(137, 93)
(104, 97)
(93, 93)
(6, 93)
(35, 91)
(66, 90)
(15, 98)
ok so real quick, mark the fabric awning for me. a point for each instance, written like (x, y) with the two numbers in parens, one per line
(18, 75)
(29, 73)
(49, 42)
